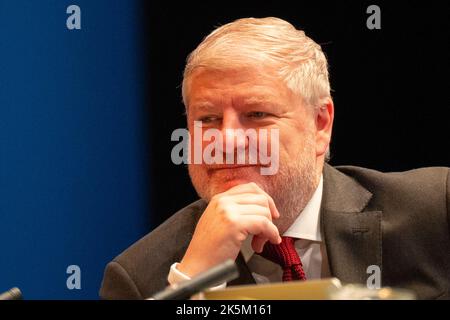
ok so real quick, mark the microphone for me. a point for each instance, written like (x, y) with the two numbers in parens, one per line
(12, 294)
(219, 274)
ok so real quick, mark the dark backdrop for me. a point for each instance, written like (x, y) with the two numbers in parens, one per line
(389, 86)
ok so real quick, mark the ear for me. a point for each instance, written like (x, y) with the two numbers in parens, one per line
(324, 116)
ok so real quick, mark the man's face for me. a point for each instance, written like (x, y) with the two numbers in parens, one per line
(255, 98)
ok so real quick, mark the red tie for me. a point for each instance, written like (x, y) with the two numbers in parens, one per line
(287, 257)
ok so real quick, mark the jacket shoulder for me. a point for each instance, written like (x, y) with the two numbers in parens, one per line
(417, 183)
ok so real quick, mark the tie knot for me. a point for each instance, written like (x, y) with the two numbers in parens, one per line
(283, 254)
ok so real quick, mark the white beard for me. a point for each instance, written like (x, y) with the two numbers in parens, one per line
(291, 187)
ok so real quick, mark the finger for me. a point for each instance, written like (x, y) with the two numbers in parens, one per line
(250, 198)
(273, 208)
(258, 243)
(253, 188)
(262, 199)
(253, 209)
(260, 226)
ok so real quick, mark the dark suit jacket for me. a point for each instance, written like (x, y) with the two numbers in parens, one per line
(398, 221)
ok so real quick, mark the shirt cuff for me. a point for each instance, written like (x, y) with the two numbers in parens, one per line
(176, 276)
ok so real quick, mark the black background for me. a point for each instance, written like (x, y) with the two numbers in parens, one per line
(390, 86)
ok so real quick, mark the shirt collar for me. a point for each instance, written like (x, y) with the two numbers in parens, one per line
(306, 226)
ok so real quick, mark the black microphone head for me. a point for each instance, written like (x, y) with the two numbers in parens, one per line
(11, 294)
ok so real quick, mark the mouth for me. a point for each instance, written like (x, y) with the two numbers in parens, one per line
(230, 167)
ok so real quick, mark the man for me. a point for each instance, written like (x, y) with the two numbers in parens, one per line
(306, 221)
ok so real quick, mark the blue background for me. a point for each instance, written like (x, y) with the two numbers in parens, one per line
(73, 143)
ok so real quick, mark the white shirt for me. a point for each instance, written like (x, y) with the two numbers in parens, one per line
(306, 228)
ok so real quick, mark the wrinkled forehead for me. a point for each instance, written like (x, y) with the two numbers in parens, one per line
(251, 82)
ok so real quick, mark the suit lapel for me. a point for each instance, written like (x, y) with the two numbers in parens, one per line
(352, 235)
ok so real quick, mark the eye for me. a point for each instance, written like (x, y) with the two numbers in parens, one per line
(208, 119)
(257, 114)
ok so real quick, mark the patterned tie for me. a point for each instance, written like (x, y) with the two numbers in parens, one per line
(287, 257)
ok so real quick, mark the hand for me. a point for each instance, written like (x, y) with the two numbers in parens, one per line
(227, 221)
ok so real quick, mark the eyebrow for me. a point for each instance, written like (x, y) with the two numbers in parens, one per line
(256, 100)
(204, 106)
(253, 101)
(262, 102)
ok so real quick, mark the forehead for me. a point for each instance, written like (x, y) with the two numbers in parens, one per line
(250, 84)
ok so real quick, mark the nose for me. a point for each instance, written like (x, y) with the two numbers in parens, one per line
(234, 139)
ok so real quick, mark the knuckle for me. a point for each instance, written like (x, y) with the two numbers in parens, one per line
(254, 186)
(221, 203)
(239, 237)
(269, 198)
(266, 201)
(267, 213)
(229, 218)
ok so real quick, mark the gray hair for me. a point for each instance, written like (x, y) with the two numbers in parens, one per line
(300, 61)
